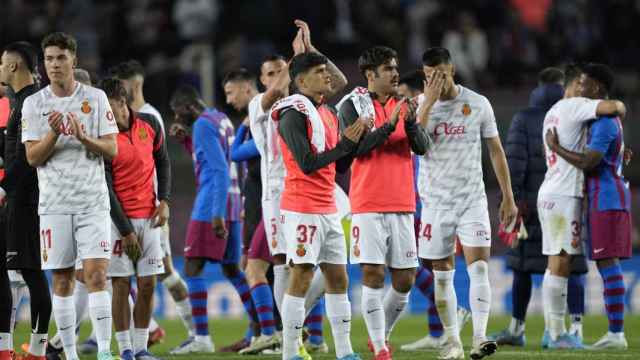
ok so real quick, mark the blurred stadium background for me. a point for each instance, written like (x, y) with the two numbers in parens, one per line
(197, 41)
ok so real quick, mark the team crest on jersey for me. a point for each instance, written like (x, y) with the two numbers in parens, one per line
(356, 250)
(142, 134)
(45, 256)
(274, 243)
(466, 109)
(85, 108)
(301, 251)
(23, 124)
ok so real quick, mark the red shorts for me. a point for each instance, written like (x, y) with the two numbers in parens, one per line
(259, 248)
(609, 234)
(201, 242)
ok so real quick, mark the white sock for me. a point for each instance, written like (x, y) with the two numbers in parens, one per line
(80, 299)
(394, 304)
(374, 316)
(123, 338)
(338, 309)
(153, 325)
(554, 294)
(446, 302)
(92, 335)
(184, 311)
(479, 298)
(545, 309)
(315, 292)
(38, 344)
(140, 339)
(64, 312)
(100, 313)
(292, 322)
(280, 283)
(6, 342)
(516, 327)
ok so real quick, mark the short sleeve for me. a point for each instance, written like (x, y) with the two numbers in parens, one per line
(603, 132)
(584, 109)
(30, 122)
(106, 121)
(488, 127)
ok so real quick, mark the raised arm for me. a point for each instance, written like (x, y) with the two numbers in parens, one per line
(338, 79)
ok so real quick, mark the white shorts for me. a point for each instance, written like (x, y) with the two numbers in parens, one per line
(65, 238)
(272, 225)
(560, 219)
(384, 238)
(314, 238)
(164, 240)
(150, 263)
(439, 228)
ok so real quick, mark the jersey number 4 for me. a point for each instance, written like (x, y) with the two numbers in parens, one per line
(426, 231)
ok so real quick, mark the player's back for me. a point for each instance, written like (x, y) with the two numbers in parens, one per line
(607, 188)
(72, 180)
(450, 173)
(568, 117)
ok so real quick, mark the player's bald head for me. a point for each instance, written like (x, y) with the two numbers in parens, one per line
(82, 75)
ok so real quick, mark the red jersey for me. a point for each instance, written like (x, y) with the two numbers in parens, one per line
(382, 180)
(133, 170)
(312, 193)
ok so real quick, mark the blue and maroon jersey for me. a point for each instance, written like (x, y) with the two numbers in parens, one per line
(606, 187)
(218, 191)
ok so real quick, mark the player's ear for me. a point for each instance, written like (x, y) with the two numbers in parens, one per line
(369, 74)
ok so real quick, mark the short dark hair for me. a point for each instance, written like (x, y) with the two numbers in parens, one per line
(550, 75)
(304, 62)
(435, 56)
(62, 40)
(572, 72)
(127, 69)
(273, 57)
(600, 73)
(413, 79)
(114, 88)
(26, 52)
(374, 57)
(184, 95)
(241, 74)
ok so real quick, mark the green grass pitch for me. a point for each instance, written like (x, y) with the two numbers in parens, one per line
(410, 328)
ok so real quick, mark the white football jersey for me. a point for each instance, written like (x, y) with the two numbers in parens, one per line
(149, 109)
(72, 180)
(265, 135)
(568, 116)
(450, 173)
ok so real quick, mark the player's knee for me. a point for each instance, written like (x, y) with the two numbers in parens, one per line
(300, 280)
(336, 280)
(373, 275)
(63, 283)
(80, 275)
(255, 274)
(96, 280)
(402, 280)
(478, 271)
(146, 286)
(230, 270)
